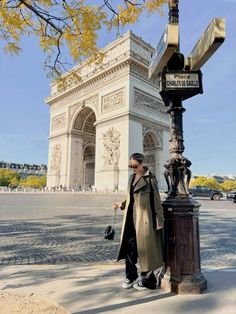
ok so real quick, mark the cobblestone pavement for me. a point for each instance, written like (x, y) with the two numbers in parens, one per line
(67, 228)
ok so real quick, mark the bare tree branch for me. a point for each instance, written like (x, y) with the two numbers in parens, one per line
(31, 8)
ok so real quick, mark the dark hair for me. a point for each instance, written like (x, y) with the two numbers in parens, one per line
(138, 157)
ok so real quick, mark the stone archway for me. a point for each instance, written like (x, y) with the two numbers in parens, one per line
(152, 152)
(84, 133)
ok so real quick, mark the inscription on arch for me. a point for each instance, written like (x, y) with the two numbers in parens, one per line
(149, 103)
(113, 101)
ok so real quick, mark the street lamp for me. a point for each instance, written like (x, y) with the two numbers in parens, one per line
(182, 248)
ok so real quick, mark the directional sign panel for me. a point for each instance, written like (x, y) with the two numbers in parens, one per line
(209, 42)
(167, 45)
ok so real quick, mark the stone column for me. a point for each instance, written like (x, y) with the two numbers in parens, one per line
(75, 161)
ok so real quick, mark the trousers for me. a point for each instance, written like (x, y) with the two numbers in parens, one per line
(148, 278)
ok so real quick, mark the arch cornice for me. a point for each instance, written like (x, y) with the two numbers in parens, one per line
(133, 64)
(92, 83)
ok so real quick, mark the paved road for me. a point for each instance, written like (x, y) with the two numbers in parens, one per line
(67, 228)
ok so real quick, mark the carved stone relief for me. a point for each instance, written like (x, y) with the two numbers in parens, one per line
(148, 141)
(59, 122)
(149, 103)
(55, 163)
(113, 101)
(111, 144)
(157, 131)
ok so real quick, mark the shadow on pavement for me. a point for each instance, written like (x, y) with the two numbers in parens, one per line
(112, 307)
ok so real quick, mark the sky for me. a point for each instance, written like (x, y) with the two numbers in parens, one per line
(209, 119)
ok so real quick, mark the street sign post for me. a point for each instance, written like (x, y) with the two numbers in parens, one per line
(180, 79)
(209, 42)
(184, 84)
(167, 45)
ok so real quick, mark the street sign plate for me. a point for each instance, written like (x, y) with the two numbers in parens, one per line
(182, 84)
(209, 42)
(167, 45)
(181, 80)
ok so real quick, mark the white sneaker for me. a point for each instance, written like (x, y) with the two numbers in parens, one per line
(127, 284)
(139, 286)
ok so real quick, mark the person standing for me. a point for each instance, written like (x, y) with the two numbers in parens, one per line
(141, 234)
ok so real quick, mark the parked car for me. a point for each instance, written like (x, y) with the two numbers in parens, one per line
(234, 198)
(231, 195)
(204, 191)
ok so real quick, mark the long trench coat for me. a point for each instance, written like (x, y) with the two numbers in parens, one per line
(149, 240)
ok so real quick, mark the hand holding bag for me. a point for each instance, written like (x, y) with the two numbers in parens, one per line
(110, 230)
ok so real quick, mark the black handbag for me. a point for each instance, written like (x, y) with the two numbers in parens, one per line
(110, 230)
(109, 233)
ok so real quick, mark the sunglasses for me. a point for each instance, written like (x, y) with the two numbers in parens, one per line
(134, 166)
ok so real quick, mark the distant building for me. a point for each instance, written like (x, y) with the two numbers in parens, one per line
(25, 169)
(219, 179)
(229, 177)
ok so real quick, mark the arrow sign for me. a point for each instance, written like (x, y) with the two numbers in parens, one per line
(209, 42)
(167, 45)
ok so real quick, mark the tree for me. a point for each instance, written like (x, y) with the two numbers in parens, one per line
(71, 25)
(9, 177)
(33, 181)
(210, 182)
(228, 185)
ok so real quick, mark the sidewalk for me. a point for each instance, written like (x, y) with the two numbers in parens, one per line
(96, 288)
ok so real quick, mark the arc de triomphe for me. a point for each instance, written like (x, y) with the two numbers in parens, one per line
(98, 122)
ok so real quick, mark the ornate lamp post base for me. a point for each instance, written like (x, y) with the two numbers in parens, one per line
(182, 249)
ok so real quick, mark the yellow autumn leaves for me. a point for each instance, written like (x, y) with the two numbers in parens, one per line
(81, 34)
(11, 28)
(71, 25)
(129, 11)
